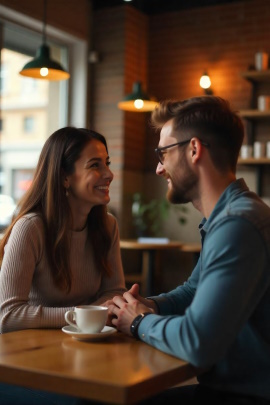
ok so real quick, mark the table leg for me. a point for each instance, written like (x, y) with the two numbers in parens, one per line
(148, 261)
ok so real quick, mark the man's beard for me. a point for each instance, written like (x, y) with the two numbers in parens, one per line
(183, 189)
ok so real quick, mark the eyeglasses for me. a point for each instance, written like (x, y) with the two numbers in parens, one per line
(160, 151)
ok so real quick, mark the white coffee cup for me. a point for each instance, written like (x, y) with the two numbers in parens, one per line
(261, 61)
(246, 151)
(87, 318)
(259, 150)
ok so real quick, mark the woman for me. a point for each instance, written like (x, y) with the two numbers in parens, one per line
(62, 248)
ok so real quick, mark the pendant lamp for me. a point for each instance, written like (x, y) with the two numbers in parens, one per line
(137, 101)
(42, 66)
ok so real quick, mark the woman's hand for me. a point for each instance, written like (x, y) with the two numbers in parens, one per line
(108, 304)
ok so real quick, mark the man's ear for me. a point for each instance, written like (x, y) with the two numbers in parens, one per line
(196, 149)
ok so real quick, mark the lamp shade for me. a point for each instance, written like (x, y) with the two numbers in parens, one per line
(43, 67)
(137, 101)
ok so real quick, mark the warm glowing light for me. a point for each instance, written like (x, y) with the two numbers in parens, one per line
(205, 81)
(138, 104)
(44, 71)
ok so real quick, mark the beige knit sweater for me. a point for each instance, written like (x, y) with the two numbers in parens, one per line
(28, 296)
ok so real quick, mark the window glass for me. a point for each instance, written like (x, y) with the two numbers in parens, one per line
(28, 124)
(4, 78)
(31, 110)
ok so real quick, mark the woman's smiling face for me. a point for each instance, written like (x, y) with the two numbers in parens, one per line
(89, 184)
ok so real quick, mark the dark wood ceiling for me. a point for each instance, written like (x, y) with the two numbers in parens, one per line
(160, 6)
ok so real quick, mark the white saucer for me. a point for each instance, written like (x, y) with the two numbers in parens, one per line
(71, 330)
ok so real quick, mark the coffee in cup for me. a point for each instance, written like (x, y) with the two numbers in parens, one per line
(87, 318)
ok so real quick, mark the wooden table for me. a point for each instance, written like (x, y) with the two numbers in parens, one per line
(194, 249)
(151, 271)
(118, 370)
(150, 262)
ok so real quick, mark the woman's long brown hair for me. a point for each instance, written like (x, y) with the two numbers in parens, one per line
(46, 196)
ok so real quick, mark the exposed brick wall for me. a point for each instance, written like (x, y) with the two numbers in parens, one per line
(121, 38)
(67, 15)
(174, 50)
(136, 69)
(222, 39)
(107, 89)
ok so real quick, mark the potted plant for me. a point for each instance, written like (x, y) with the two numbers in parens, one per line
(148, 216)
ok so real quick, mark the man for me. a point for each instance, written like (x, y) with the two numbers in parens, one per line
(219, 319)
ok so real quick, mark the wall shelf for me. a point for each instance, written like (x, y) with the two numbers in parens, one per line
(260, 80)
(253, 161)
(257, 75)
(255, 114)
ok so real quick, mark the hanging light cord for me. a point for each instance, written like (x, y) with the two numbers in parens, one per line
(44, 21)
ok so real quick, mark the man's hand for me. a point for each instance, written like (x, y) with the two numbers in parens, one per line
(134, 290)
(126, 308)
(148, 305)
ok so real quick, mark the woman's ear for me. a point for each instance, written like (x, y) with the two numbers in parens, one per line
(65, 179)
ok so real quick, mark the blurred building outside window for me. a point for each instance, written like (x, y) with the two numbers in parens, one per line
(50, 105)
(30, 110)
(28, 124)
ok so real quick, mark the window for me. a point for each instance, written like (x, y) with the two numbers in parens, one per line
(45, 102)
(30, 106)
(28, 124)
(21, 181)
(29, 86)
(4, 78)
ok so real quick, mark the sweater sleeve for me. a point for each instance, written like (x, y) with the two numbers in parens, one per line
(233, 279)
(22, 254)
(114, 284)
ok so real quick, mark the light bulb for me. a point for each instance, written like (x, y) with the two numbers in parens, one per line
(44, 71)
(205, 81)
(138, 104)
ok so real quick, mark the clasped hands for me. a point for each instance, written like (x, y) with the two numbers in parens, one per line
(122, 310)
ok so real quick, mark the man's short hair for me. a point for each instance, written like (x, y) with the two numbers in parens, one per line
(209, 118)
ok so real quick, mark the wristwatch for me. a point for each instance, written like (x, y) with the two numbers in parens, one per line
(136, 322)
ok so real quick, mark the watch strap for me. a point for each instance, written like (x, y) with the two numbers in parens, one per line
(136, 322)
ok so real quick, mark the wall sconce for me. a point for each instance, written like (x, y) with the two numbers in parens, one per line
(205, 83)
(42, 66)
